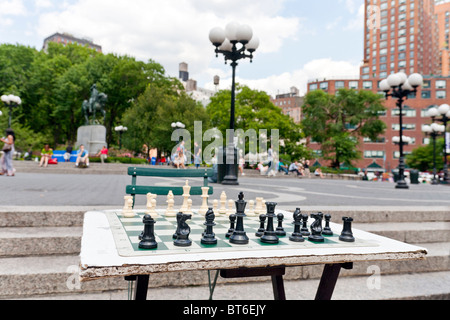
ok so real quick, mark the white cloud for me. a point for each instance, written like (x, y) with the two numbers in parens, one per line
(12, 8)
(315, 69)
(168, 31)
(357, 23)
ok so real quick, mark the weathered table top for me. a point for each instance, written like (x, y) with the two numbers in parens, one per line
(100, 257)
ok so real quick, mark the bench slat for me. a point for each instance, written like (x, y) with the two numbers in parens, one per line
(164, 191)
(172, 173)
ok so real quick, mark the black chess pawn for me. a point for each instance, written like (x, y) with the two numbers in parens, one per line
(280, 230)
(148, 237)
(209, 236)
(232, 225)
(327, 230)
(347, 234)
(304, 230)
(297, 235)
(269, 235)
(316, 228)
(184, 231)
(239, 236)
(262, 221)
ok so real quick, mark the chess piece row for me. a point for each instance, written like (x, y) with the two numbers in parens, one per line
(223, 207)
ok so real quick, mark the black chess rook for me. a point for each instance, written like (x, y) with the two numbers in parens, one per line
(269, 235)
(347, 233)
(148, 240)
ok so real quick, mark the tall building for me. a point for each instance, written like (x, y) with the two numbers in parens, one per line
(442, 11)
(411, 36)
(400, 35)
(290, 103)
(65, 38)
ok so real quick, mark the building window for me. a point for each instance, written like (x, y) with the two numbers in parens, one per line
(369, 154)
(339, 84)
(367, 85)
(324, 85)
(426, 94)
(441, 84)
(313, 86)
(441, 94)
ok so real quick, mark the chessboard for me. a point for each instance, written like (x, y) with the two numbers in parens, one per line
(126, 232)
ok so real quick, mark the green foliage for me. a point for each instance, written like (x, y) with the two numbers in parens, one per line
(254, 110)
(422, 157)
(338, 121)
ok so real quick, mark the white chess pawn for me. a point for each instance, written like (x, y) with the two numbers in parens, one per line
(230, 209)
(223, 203)
(216, 206)
(189, 207)
(251, 209)
(259, 206)
(127, 211)
(153, 213)
(170, 212)
(204, 208)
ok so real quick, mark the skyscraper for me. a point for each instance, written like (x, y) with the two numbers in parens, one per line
(400, 35)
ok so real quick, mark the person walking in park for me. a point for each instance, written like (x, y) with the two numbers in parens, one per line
(8, 152)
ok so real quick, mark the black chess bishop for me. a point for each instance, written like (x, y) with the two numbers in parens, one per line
(297, 235)
(209, 236)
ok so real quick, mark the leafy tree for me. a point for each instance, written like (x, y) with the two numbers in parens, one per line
(150, 117)
(422, 157)
(254, 110)
(338, 121)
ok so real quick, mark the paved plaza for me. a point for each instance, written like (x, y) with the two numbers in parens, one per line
(47, 189)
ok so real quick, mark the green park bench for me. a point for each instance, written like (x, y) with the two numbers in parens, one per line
(135, 189)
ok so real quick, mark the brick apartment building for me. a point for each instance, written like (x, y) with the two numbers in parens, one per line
(65, 38)
(410, 38)
(290, 103)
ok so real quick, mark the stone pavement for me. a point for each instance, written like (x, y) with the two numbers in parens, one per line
(45, 206)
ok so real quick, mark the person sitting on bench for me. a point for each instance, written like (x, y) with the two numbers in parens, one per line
(82, 156)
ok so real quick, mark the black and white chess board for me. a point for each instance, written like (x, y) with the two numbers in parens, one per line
(126, 232)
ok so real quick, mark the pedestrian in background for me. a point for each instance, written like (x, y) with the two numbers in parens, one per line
(8, 152)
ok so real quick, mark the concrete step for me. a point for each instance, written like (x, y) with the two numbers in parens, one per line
(416, 286)
(410, 232)
(39, 241)
(43, 275)
(53, 216)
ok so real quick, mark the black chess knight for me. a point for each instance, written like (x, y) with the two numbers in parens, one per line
(183, 230)
(239, 236)
(316, 228)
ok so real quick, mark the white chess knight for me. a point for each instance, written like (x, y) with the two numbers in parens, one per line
(151, 205)
(170, 211)
(127, 210)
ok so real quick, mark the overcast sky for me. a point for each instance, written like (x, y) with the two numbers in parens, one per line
(300, 39)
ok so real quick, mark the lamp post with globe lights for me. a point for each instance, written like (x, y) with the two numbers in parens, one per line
(399, 86)
(120, 130)
(11, 101)
(235, 42)
(442, 114)
(434, 130)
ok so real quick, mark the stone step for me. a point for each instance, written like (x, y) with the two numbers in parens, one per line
(410, 232)
(44, 275)
(39, 241)
(53, 216)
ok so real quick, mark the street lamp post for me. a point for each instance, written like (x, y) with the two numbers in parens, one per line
(444, 112)
(434, 130)
(11, 101)
(120, 130)
(236, 42)
(399, 86)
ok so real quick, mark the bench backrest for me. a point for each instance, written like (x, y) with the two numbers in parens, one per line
(135, 189)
